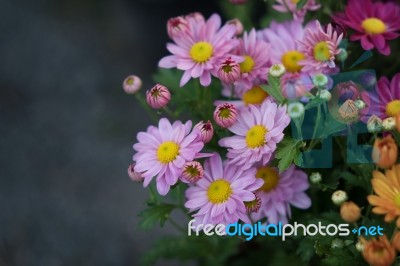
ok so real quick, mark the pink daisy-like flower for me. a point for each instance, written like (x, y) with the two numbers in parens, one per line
(256, 95)
(256, 61)
(320, 49)
(389, 96)
(199, 51)
(291, 6)
(257, 131)
(220, 195)
(375, 23)
(163, 152)
(283, 39)
(279, 191)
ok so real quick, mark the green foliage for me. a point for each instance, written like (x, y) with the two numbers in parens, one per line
(274, 89)
(157, 213)
(288, 151)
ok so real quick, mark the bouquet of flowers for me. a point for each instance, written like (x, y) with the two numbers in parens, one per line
(275, 133)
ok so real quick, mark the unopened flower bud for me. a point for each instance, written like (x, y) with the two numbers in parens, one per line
(325, 95)
(379, 251)
(158, 97)
(206, 130)
(315, 178)
(338, 197)
(384, 152)
(374, 124)
(320, 80)
(295, 110)
(132, 84)
(239, 26)
(342, 56)
(192, 172)
(254, 205)
(225, 115)
(360, 246)
(350, 212)
(177, 26)
(135, 176)
(389, 124)
(229, 71)
(337, 243)
(277, 70)
(360, 104)
(348, 112)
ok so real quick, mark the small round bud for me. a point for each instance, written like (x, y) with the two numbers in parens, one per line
(277, 70)
(337, 243)
(135, 176)
(343, 54)
(177, 26)
(158, 97)
(315, 178)
(360, 104)
(206, 130)
(254, 205)
(192, 172)
(389, 124)
(350, 212)
(239, 26)
(374, 124)
(360, 246)
(295, 110)
(339, 196)
(225, 115)
(132, 84)
(385, 152)
(348, 112)
(229, 71)
(320, 80)
(325, 95)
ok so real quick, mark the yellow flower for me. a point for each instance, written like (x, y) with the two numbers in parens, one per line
(378, 251)
(387, 189)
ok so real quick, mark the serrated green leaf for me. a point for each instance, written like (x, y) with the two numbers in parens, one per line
(274, 89)
(288, 151)
(155, 214)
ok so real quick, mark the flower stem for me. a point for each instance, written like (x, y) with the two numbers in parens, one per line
(145, 106)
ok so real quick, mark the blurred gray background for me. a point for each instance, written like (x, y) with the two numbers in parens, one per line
(67, 128)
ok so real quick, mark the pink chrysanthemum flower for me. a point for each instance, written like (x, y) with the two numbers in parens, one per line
(257, 131)
(206, 130)
(389, 96)
(320, 48)
(200, 51)
(283, 39)
(163, 152)
(279, 191)
(220, 195)
(256, 61)
(374, 23)
(225, 115)
(291, 6)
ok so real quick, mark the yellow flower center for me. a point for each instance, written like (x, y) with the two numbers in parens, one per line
(130, 81)
(322, 52)
(219, 191)
(393, 108)
(167, 152)
(255, 136)
(290, 60)
(255, 95)
(270, 177)
(295, 1)
(247, 65)
(397, 200)
(201, 52)
(225, 113)
(373, 26)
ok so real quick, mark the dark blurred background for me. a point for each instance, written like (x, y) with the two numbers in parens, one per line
(67, 127)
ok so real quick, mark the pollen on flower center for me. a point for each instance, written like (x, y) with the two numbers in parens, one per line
(167, 152)
(219, 191)
(393, 108)
(255, 95)
(270, 177)
(255, 136)
(247, 65)
(322, 52)
(201, 52)
(290, 60)
(373, 26)
(397, 200)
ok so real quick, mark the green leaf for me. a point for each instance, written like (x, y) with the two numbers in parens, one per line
(156, 214)
(365, 56)
(314, 103)
(289, 151)
(274, 89)
(301, 4)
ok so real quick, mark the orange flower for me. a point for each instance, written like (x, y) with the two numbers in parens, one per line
(378, 251)
(387, 189)
(350, 212)
(385, 152)
(396, 241)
